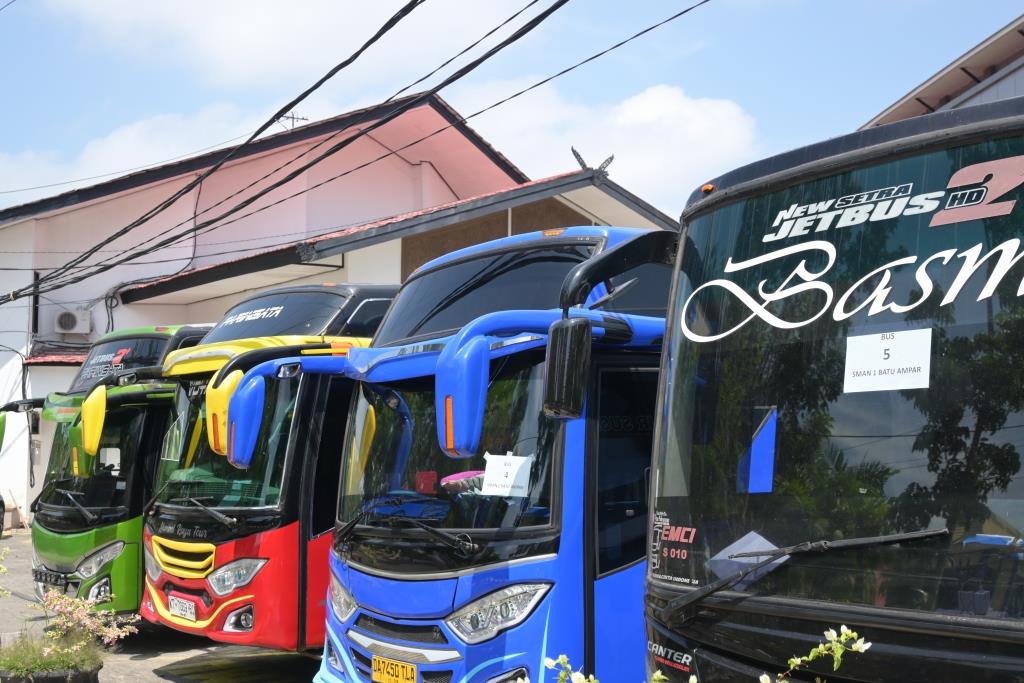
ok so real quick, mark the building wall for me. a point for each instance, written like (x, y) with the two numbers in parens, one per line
(542, 215)
(418, 249)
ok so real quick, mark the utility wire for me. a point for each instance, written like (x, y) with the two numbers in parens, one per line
(316, 146)
(7, 4)
(409, 104)
(162, 206)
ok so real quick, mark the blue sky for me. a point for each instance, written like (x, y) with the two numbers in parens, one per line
(99, 86)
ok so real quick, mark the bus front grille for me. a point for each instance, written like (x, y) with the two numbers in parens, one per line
(182, 559)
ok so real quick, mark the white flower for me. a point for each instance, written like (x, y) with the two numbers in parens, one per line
(860, 646)
(764, 678)
(693, 679)
(830, 635)
(549, 663)
(844, 630)
(577, 677)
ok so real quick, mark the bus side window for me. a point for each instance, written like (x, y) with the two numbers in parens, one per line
(328, 457)
(626, 398)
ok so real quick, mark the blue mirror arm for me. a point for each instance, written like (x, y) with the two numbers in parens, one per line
(250, 359)
(319, 365)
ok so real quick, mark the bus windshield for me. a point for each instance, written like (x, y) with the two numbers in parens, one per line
(848, 361)
(95, 482)
(189, 469)
(393, 465)
(443, 300)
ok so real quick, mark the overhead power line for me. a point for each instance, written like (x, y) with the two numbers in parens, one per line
(415, 101)
(162, 206)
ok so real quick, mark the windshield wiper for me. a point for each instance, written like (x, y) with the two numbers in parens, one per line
(219, 516)
(34, 505)
(152, 501)
(89, 517)
(677, 604)
(345, 531)
(462, 544)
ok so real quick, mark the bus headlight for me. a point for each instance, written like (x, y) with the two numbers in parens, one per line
(485, 618)
(342, 601)
(152, 568)
(234, 575)
(89, 567)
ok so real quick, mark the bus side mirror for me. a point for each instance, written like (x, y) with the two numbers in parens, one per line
(94, 413)
(460, 394)
(218, 396)
(568, 367)
(245, 412)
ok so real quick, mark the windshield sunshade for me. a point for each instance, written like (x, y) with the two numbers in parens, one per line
(121, 354)
(304, 313)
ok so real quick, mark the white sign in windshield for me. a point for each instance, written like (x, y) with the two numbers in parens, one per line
(888, 361)
(506, 475)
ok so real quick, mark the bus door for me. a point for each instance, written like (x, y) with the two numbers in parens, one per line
(618, 479)
(320, 474)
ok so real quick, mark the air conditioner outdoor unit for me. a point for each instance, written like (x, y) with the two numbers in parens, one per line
(74, 321)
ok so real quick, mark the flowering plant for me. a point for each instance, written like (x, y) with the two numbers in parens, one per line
(74, 639)
(78, 620)
(835, 646)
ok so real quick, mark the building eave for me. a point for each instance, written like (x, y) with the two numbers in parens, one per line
(996, 52)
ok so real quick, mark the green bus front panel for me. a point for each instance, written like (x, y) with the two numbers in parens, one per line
(62, 553)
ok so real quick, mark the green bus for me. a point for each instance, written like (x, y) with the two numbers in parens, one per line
(87, 518)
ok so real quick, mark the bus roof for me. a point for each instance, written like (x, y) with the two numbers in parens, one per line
(998, 119)
(154, 330)
(345, 289)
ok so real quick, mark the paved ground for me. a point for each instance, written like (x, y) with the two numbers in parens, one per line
(154, 654)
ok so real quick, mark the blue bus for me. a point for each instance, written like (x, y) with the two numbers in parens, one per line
(476, 532)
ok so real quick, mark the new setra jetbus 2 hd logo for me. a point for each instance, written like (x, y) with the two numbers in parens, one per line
(974, 192)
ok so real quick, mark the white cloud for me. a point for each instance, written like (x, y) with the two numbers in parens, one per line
(665, 142)
(150, 140)
(247, 43)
